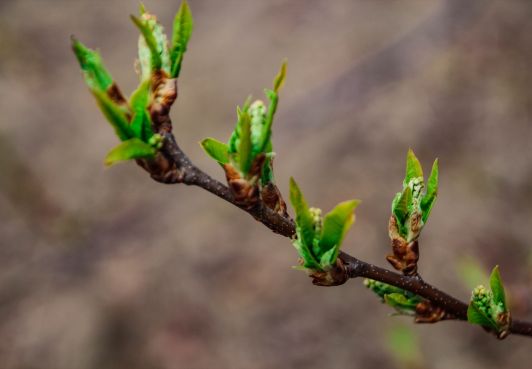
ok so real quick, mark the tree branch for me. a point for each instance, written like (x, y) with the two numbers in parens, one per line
(189, 174)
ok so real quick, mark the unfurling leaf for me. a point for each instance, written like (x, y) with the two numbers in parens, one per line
(412, 206)
(115, 115)
(497, 288)
(139, 102)
(147, 32)
(400, 207)
(476, 316)
(153, 46)
(279, 78)
(268, 122)
(336, 223)
(309, 261)
(183, 24)
(244, 149)
(216, 150)
(413, 167)
(319, 239)
(488, 307)
(130, 149)
(432, 191)
(304, 219)
(96, 75)
(401, 303)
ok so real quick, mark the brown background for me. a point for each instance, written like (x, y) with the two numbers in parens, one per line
(108, 269)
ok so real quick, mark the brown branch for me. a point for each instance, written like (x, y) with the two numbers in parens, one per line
(186, 172)
(191, 175)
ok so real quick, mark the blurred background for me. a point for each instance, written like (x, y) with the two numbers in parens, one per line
(105, 268)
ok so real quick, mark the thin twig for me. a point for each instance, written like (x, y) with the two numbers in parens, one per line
(454, 308)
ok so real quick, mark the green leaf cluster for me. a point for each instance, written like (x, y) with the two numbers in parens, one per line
(404, 302)
(411, 207)
(488, 307)
(155, 53)
(251, 136)
(131, 118)
(319, 238)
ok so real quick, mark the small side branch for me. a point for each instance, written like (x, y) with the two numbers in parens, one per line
(188, 173)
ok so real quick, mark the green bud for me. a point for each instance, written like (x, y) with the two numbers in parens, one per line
(404, 302)
(488, 306)
(319, 238)
(412, 206)
(156, 141)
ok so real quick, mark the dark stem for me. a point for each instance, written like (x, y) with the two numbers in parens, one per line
(192, 175)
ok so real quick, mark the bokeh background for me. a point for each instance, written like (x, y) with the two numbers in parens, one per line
(105, 268)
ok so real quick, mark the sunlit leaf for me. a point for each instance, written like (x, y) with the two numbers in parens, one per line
(141, 121)
(400, 302)
(216, 150)
(267, 127)
(309, 261)
(115, 115)
(244, 148)
(432, 192)
(279, 78)
(304, 218)
(96, 75)
(476, 316)
(183, 24)
(151, 42)
(413, 167)
(401, 205)
(497, 288)
(130, 149)
(336, 224)
(329, 257)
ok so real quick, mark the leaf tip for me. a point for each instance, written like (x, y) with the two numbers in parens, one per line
(280, 77)
(142, 8)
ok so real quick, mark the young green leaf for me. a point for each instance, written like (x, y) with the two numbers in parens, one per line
(130, 149)
(329, 257)
(96, 75)
(476, 316)
(336, 224)
(115, 115)
(141, 121)
(267, 127)
(309, 261)
(142, 8)
(216, 150)
(278, 82)
(400, 302)
(304, 220)
(246, 158)
(497, 287)
(147, 32)
(257, 111)
(234, 140)
(183, 24)
(267, 168)
(432, 192)
(413, 167)
(401, 205)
